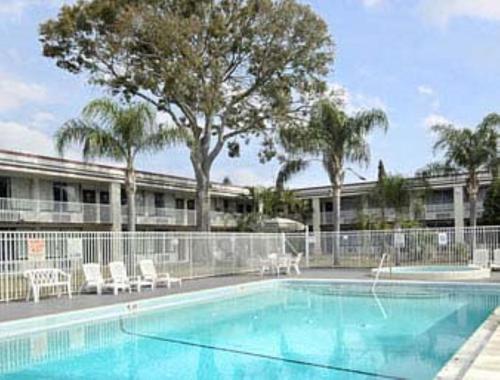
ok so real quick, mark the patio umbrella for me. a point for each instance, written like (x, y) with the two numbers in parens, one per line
(282, 225)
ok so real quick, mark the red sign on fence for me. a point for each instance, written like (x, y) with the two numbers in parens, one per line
(36, 249)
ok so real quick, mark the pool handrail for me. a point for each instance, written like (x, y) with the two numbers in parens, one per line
(379, 269)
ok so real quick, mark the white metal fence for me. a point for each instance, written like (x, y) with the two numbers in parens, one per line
(182, 254)
(192, 254)
(426, 246)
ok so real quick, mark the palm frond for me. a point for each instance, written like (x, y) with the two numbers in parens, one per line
(96, 142)
(288, 169)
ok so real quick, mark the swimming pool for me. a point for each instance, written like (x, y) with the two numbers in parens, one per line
(274, 329)
(434, 272)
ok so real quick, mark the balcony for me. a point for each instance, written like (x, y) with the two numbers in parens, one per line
(40, 211)
(161, 216)
(223, 219)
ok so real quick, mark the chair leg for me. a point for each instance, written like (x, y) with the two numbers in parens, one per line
(69, 290)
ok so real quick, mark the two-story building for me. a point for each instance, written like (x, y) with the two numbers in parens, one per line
(48, 193)
(445, 203)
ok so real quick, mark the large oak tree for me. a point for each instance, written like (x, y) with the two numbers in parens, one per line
(223, 70)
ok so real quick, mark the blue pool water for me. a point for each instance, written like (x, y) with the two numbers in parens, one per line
(294, 330)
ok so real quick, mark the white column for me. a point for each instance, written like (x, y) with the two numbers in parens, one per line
(458, 211)
(317, 225)
(36, 196)
(116, 206)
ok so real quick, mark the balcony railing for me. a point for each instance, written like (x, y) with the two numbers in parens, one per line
(42, 211)
(223, 219)
(161, 216)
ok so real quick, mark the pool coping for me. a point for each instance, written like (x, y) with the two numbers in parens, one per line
(455, 368)
(463, 360)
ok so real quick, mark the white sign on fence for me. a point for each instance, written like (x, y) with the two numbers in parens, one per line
(75, 248)
(442, 238)
(399, 239)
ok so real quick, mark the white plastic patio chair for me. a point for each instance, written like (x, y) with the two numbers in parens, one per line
(148, 271)
(295, 261)
(268, 264)
(496, 259)
(119, 276)
(481, 258)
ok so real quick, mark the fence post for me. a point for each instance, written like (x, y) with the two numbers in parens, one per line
(283, 243)
(306, 245)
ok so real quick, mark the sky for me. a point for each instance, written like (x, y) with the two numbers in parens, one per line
(422, 61)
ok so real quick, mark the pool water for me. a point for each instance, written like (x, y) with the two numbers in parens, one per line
(294, 330)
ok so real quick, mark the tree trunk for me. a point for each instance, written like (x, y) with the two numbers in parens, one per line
(201, 167)
(337, 189)
(130, 190)
(472, 209)
(203, 203)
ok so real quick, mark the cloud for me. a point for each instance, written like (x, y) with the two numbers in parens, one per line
(14, 93)
(21, 137)
(442, 11)
(425, 90)
(16, 8)
(356, 101)
(434, 119)
(372, 3)
(429, 92)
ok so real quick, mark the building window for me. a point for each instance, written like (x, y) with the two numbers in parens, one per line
(104, 197)
(123, 197)
(249, 209)
(5, 187)
(179, 204)
(159, 200)
(328, 206)
(240, 208)
(226, 205)
(190, 204)
(60, 190)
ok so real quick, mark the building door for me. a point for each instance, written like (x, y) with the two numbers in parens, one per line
(4, 193)
(104, 207)
(89, 206)
(4, 187)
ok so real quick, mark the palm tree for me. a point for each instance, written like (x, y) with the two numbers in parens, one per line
(470, 150)
(336, 138)
(393, 192)
(120, 132)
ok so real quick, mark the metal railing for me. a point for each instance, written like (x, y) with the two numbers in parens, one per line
(182, 254)
(44, 211)
(196, 254)
(425, 246)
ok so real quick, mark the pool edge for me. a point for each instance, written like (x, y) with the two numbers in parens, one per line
(462, 361)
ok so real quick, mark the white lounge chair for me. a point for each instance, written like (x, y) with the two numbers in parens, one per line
(119, 276)
(496, 259)
(295, 261)
(148, 271)
(481, 258)
(94, 279)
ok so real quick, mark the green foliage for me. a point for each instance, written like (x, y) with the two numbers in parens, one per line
(275, 203)
(491, 213)
(470, 150)
(221, 69)
(120, 132)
